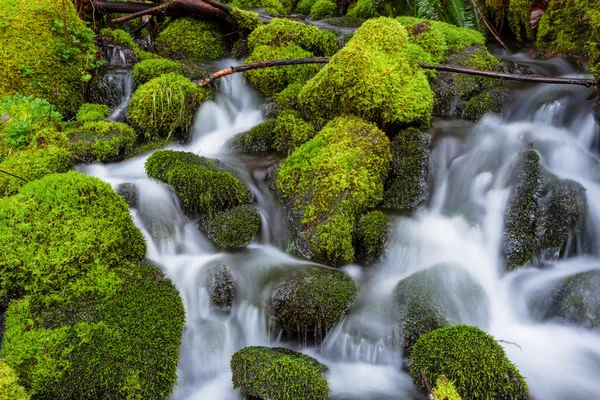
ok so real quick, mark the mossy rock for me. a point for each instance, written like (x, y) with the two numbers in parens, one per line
(278, 373)
(29, 165)
(309, 299)
(272, 80)
(130, 193)
(291, 131)
(245, 20)
(270, 6)
(366, 9)
(41, 59)
(153, 68)
(233, 228)
(436, 297)
(9, 385)
(166, 105)
(201, 184)
(105, 87)
(256, 140)
(122, 39)
(103, 344)
(21, 117)
(323, 9)
(406, 185)
(491, 100)
(103, 141)
(303, 7)
(287, 99)
(329, 180)
(472, 359)
(92, 113)
(281, 32)
(96, 235)
(372, 78)
(220, 285)
(345, 22)
(191, 38)
(372, 232)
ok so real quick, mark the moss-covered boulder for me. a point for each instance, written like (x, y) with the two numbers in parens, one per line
(366, 9)
(166, 105)
(278, 373)
(61, 228)
(191, 38)
(31, 164)
(291, 131)
(436, 297)
(9, 385)
(232, 228)
(328, 181)
(92, 113)
(201, 184)
(303, 7)
(130, 193)
(543, 213)
(406, 185)
(371, 77)
(270, 6)
(126, 43)
(256, 140)
(153, 68)
(40, 56)
(309, 298)
(121, 343)
(287, 99)
(220, 285)
(489, 101)
(323, 9)
(472, 359)
(372, 232)
(103, 141)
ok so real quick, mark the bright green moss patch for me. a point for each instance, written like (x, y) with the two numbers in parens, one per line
(372, 232)
(291, 131)
(256, 140)
(191, 38)
(485, 102)
(371, 78)
(92, 113)
(233, 228)
(270, 6)
(120, 345)
(310, 299)
(153, 68)
(166, 105)
(37, 60)
(444, 389)
(9, 385)
(329, 180)
(323, 9)
(32, 164)
(304, 6)
(21, 116)
(472, 359)
(245, 19)
(366, 9)
(278, 373)
(96, 235)
(103, 141)
(272, 80)
(287, 99)
(280, 32)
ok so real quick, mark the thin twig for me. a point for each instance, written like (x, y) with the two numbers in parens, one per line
(490, 27)
(16, 176)
(426, 384)
(504, 341)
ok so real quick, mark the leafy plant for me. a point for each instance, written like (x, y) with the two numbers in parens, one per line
(457, 12)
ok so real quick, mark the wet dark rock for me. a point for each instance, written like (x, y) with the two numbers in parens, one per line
(232, 228)
(105, 87)
(515, 68)
(129, 192)
(221, 286)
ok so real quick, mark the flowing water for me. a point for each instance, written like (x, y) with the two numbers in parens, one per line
(461, 224)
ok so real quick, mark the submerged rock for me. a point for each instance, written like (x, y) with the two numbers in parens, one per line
(439, 296)
(278, 373)
(372, 232)
(232, 228)
(491, 100)
(105, 88)
(221, 286)
(130, 193)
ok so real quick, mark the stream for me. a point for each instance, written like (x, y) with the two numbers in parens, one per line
(461, 224)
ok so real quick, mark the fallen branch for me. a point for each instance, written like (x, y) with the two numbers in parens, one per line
(426, 384)
(150, 11)
(259, 64)
(13, 175)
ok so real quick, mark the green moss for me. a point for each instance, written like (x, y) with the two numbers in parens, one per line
(246, 20)
(478, 58)
(21, 116)
(200, 183)
(406, 185)
(372, 232)
(191, 38)
(220, 285)
(92, 113)
(121, 345)
(444, 389)
(149, 69)
(233, 228)
(37, 60)
(366, 9)
(280, 32)
(323, 9)
(9, 385)
(338, 173)
(287, 99)
(486, 102)
(576, 300)
(436, 297)
(96, 235)
(256, 140)
(480, 370)
(310, 299)
(371, 78)
(291, 131)
(166, 105)
(274, 79)
(32, 164)
(270, 6)
(303, 7)
(103, 141)
(278, 373)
